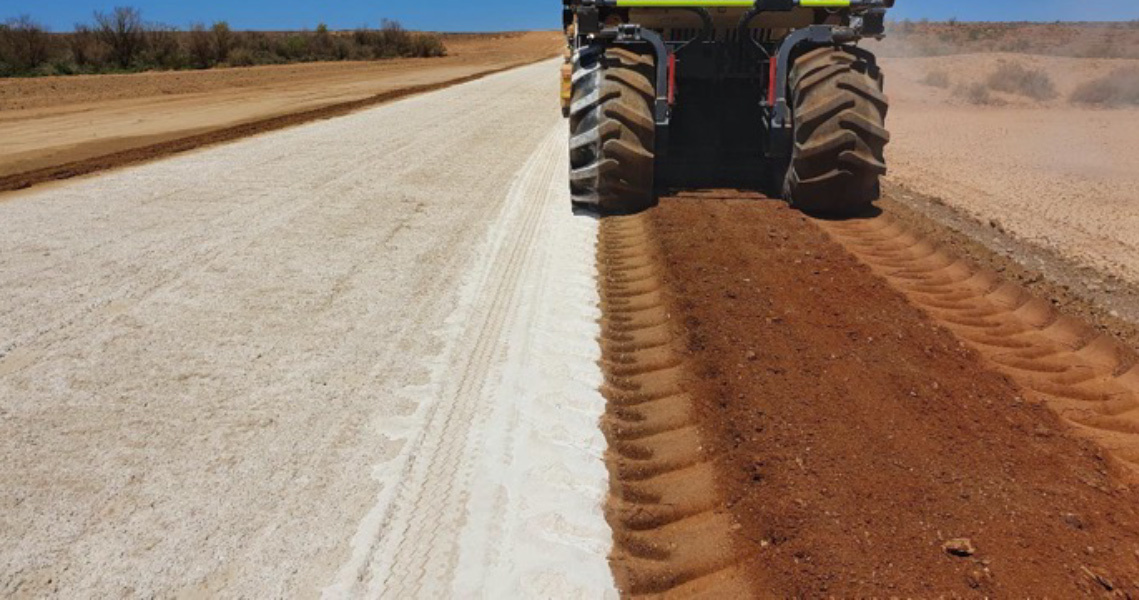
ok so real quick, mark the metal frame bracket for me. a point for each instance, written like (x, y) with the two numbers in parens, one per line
(635, 34)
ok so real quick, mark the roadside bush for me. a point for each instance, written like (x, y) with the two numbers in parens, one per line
(1119, 88)
(938, 79)
(976, 93)
(163, 48)
(342, 50)
(122, 31)
(393, 40)
(201, 47)
(1015, 78)
(25, 45)
(261, 47)
(427, 46)
(120, 40)
(293, 48)
(87, 51)
(322, 45)
(224, 41)
(242, 57)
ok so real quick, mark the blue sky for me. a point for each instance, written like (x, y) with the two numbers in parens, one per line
(492, 15)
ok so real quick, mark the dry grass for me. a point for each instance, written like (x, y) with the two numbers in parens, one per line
(937, 79)
(1015, 78)
(1119, 88)
(977, 93)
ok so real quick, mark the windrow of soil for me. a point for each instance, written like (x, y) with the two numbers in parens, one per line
(859, 447)
(671, 524)
(186, 143)
(1088, 377)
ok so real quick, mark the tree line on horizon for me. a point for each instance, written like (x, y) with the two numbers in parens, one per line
(121, 41)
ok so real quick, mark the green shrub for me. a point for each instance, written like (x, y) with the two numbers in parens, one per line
(242, 57)
(64, 67)
(164, 49)
(293, 47)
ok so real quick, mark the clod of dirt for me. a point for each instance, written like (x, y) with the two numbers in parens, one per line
(1073, 520)
(960, 547)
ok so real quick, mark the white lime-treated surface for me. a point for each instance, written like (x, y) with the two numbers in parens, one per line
(355, 358)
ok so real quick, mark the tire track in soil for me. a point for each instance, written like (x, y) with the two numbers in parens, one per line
(417, 550)
(1087, 377)
(671, 529)
(853, 437)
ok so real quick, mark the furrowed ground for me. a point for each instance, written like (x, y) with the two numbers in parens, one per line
(858, 445)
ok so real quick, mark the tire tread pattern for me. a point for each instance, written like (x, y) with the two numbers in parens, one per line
(612, 130)
(840, 132)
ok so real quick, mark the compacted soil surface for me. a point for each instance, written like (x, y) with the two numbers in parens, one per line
(59, 127)
(862, 449)
(355, 358)
(1057, 174)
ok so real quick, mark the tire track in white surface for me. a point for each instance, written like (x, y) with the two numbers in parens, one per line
(500, 491)
(304, 310)
(535, 527)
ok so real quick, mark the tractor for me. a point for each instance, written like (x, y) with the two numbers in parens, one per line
(769, 94)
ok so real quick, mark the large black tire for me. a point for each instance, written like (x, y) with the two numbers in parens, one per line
(840, 132)
(612, 154)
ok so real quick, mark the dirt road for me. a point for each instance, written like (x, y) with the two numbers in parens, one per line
(54, 122)
(349, 358)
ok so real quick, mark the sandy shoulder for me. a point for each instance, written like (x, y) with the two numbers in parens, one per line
(1060, 176)
(52, 121)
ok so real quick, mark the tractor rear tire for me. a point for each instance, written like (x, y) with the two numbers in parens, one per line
(612, 154)
(840, 133)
